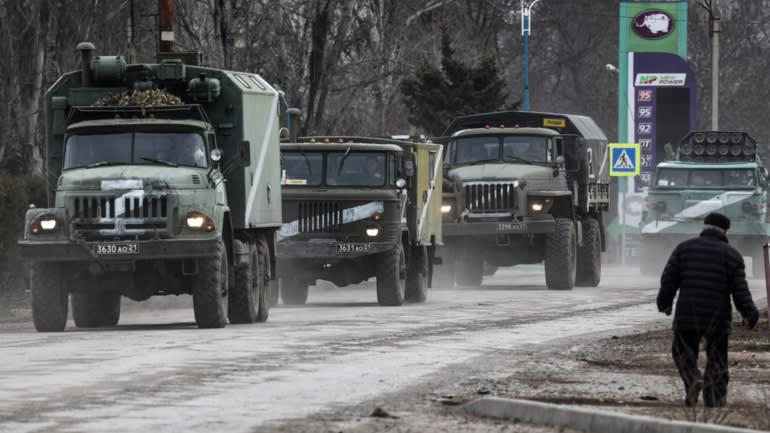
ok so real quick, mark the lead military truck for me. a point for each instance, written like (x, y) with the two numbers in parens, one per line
(524, 188)
(164, 180)
(356, 208)
(712, 171)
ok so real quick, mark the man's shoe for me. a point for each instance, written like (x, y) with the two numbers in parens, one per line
(691, 399)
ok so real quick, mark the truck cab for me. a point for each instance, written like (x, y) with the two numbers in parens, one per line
(356, 208)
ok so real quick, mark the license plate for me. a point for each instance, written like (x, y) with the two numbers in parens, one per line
(511, 227)
(353, 248)
(116, 249)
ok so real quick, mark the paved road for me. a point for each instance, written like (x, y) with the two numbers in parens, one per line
(157, 372)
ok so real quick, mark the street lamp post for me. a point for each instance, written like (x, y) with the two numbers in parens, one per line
(526, 29)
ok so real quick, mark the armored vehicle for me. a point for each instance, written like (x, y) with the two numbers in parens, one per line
(356, 208)
(712, 171)
(523, 188)
(164, 180)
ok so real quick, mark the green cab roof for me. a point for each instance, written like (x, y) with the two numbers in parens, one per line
(137, 123)
(708, 165)
(504, 131)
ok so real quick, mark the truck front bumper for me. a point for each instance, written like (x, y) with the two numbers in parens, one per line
(479, 228)
(69, 251)
(330, 249)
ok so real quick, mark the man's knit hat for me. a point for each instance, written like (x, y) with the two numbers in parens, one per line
(717, 220)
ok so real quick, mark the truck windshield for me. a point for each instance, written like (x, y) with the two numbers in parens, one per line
(714, 178)
(135, 148)
(302, 168)
(355, 169)
(502, 148)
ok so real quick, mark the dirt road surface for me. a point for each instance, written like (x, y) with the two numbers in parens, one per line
(322, 366)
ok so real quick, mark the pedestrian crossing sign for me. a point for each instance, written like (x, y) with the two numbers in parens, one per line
(625, 159)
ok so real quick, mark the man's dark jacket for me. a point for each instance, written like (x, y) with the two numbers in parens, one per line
(707, 271)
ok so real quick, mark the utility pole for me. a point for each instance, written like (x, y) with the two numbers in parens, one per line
(714, 30)
(526, 30)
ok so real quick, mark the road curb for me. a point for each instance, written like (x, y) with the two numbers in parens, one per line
(588, 420)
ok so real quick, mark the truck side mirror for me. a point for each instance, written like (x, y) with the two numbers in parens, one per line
(244, 154)
(559, 147)
(408, 168)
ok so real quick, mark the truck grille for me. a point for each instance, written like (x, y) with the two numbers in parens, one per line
(490, 197)
(133, 207)
(317, 216)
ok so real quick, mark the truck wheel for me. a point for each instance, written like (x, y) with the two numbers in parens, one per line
(294, 291)
(470, 270)
(391, 277)
(561, 256)
(49, 298)
(94, 309)
(243, 297)
(263, 278)
(417, 275)
(208, 288)
(589, 259)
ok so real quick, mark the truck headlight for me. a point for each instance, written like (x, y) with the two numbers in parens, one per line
(446, 208)
(372, 231)
(199, 221)
(48, 224)
(537, 206)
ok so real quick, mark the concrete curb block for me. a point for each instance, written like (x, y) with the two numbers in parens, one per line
(595, 421)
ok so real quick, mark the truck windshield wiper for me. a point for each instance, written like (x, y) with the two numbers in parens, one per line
(481, 161)
(342, 161)
(103, 163)
(159, 161)
(516, 158)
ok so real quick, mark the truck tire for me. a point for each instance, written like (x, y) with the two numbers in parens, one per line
(264, 278)
(93, 309)
(208, 287)
(391, 277)
(294, 291)
(469, 270)
(561, 256)
(417, 275)
(243, 296)
(589, 259)
(49, 298)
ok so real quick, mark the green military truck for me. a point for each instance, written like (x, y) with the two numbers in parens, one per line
(356, 208)
(712, 171)
(524, 188)
(164, 180)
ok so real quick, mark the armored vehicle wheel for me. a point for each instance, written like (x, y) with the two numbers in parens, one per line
(391, 276)
(263, 278)
(589, 259)
(93, 309)
(49, 298)
(561, 256)
(417, 275)
(208, 287)
(469, 270)
(243, 296)
(294, 291)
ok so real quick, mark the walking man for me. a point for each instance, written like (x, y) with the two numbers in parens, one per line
(706, 271)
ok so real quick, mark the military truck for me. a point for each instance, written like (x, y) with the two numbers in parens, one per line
(524, 188)
(712, 171)
(164, 180)
(356, 208)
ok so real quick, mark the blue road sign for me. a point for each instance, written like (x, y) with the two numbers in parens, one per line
(625, 159)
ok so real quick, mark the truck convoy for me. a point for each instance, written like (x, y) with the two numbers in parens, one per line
(712, 171)
(356, 208)
(164, 180)
(523, 188)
